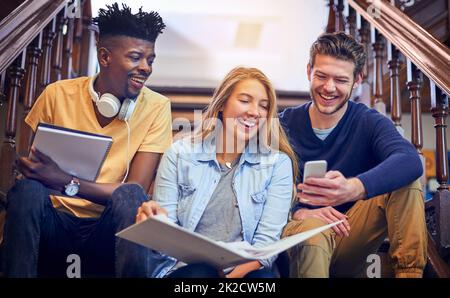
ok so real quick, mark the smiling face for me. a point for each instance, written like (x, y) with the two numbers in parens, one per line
(331, 84)
(244, 109)
(126, 63)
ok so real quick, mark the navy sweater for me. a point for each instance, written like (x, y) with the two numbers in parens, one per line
(364, 144)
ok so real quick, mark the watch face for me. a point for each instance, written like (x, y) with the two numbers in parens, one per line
(71, 189)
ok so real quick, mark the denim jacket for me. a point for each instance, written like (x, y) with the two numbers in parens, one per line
(263, 185)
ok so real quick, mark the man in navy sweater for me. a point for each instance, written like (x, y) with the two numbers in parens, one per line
(371, 183)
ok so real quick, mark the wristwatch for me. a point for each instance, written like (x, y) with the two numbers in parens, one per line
(73, 187)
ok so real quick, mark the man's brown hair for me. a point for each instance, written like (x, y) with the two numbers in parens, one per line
(341, 46)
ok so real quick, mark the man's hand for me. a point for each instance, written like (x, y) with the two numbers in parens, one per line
(42, 168)
(328, 215)
(332, 190)
(148, 209)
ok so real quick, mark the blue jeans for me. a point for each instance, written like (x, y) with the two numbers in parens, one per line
(38, 238)
(203, 270)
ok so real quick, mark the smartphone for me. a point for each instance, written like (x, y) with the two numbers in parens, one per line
(315, 168)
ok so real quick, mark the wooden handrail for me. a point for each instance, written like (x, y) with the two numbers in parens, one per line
(22, 25)
(427, 53)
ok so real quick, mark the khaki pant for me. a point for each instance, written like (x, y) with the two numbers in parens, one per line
(399, 215)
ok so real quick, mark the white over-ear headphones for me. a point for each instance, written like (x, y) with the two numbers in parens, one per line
(109, 106)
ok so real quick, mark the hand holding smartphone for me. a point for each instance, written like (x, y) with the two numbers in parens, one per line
(318, 169)
(315, 168)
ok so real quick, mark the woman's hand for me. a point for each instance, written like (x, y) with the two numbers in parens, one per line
(147, 209)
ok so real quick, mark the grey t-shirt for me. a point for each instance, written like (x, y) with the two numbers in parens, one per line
(221, 220)
(323, 133)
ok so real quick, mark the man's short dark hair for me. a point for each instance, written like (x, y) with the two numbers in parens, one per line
(114, 21)
(341, 46)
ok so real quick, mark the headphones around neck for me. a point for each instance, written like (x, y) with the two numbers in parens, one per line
(109, 106)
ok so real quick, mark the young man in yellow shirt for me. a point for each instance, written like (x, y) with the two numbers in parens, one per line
(42, 230)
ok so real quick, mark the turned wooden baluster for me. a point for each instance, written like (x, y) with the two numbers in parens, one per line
(351, 22)
(415, 84)
(439, 108)
(364, 38)
(8, 151)
(378, 50)
(394, 64)
(68, 45)
(339, 15)
(45, 63)
(58, 48)
(331, 24)
(365, 89)
(86, 38)
(441, 199)
(77, 36)
(25, 133)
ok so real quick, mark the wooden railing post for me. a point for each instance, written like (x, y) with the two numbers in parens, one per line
(78, 33)
(68, 46)
(364, 38)
(364, 90)
(25, 133)
(45, 63)
(439, 108)
(86, 38)
(394, 66)
(331, 24)
(8, 151)
(58, 48)
(378, 50)
(351, 22)
(414, 85)
(340, 21)
(441, 199)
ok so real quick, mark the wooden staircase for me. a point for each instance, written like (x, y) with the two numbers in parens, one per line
(41, 42)
(408, 70)
(434, 17)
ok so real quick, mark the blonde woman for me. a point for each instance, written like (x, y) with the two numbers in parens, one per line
(232, 180)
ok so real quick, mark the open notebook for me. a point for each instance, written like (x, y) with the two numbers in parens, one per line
(78, 153)
(160, 234)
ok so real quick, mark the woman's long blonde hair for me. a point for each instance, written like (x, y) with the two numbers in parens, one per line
(274, 133)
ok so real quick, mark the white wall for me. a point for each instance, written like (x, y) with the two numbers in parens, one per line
(204, 39)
